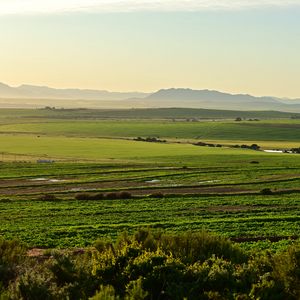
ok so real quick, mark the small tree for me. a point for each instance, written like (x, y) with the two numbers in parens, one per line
(255, 147)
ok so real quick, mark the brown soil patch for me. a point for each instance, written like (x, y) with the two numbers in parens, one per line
(144, 188)
(48, 187)
(35, 252)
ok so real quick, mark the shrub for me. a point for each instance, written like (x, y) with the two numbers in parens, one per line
(147, 238)
(102, 245)
(254, 147)
(5, 200)
(267, 288)
(266, 191)
(83, 196)
(190, 247)
(86, 196)
(287, 270)
(106, 293)
(125, 195)
(11, 254)
(48, 197)
(199, 246)
(98, 196)
(135, 290)
(33, 286)
(157, 195)
(111, 196)
(152, 265)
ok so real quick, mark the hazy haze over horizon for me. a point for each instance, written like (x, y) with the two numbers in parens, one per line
(234, 46)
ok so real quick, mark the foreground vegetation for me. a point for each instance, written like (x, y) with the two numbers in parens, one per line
(151, 265)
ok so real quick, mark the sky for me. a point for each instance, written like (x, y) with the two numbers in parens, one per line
(237, 46)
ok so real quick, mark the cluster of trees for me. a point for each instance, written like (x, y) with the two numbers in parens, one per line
(239, 119)
(101, 196)
(295, 150)
(150, 140)
(203, 144)
(49, 108)
(151, 266)
(253, 120)
(252, 147)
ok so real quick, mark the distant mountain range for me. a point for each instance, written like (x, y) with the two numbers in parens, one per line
(44, 92)
(37, 96)
(218, 100)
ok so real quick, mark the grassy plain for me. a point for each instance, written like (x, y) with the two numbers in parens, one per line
(104, 149)
(217, 189)
(288, 130)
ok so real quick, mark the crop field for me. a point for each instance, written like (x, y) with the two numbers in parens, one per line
(250, 196)
(226, 200)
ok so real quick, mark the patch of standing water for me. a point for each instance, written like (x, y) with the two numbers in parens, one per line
(273, 151)
(153, 181)
(46, 179)
(80, 189)
(209, 181)
(56, 180)
(39, 179)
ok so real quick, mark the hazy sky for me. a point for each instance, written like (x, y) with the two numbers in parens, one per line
(247, 46)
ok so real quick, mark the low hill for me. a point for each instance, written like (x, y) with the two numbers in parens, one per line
(218, 100)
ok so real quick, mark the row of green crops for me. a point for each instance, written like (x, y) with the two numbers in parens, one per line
(73, 223)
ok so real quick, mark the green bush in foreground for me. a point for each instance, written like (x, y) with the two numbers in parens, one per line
(12, 254)
(152, 265)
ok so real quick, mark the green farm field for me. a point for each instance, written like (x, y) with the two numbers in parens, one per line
(138, 114)
(284, 130)
(249, 196)
(275, 133)
(226, 200)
